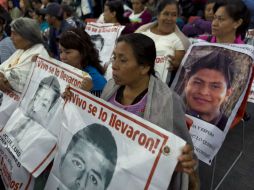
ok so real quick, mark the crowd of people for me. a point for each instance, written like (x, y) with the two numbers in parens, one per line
(56, 29)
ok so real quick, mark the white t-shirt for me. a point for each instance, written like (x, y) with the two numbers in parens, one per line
(165, 45)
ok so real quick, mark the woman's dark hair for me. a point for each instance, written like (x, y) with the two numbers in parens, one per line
(117, 7)
(143, 48)
(236, 10)
(211, 1)
(78, 39)
(162, 4)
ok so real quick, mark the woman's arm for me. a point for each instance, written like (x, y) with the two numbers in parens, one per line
(176, 60)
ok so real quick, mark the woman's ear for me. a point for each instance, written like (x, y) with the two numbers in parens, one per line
(114, 14)
(238, 23)
(144, 69)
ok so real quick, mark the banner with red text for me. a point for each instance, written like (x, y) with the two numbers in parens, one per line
(30, 135)
(213, 80)
(103, 147)
(104, 36)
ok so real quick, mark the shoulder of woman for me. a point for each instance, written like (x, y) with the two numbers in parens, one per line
(109, 89)
(160, 87)
(145, 27)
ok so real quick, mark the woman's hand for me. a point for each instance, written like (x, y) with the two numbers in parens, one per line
(87, 84)
(186, 161)
(67, 93)
(4, 84)
(34, 58)
(176, 60)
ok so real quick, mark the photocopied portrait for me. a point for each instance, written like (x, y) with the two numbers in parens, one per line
(98, 41)
(90, 159)
(46, 96)
(36, 116)
(208, 85)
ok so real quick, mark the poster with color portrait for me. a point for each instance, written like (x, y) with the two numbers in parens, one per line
(213, 80)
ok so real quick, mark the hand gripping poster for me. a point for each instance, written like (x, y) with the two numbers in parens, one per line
(213, 81)
(104, 37)
(251, 96)
(29, 138)
(103, 147)
(8, 103)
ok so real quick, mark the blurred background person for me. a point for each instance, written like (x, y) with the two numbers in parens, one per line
(54, 17)
(250, 6)
(200, 25)
(114, 13)
(6, 46)
(44, 26)
(68, 14)
(13, 10)
(139, 16)
(36, 4)
(230, 23)
(7, 20)
(4, 4)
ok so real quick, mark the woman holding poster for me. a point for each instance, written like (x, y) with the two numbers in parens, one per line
(77, 50)
(170, 42)
(148, 97)
(27, 39)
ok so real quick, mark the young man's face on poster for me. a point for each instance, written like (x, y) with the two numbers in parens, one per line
(205, 92)
(84, 167)
(42, 102)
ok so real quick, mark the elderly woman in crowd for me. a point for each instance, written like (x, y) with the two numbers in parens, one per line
(77, 50)
(169, 40)
(230, 23)
(148, 97)
(28, 41)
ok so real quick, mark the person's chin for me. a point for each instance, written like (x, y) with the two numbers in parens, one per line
(214, 32)
(116, 79)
